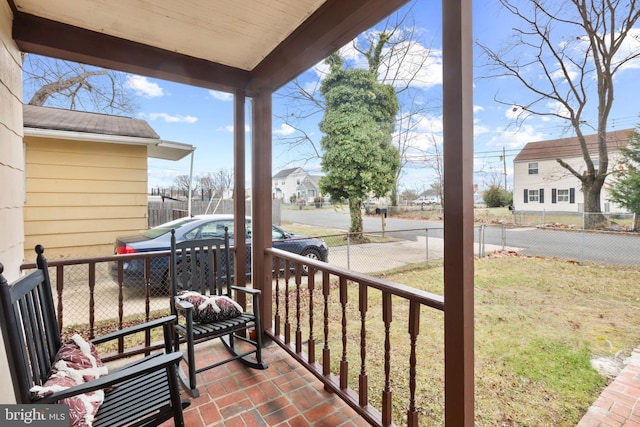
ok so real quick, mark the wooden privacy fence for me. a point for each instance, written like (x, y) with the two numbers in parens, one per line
(168, 210)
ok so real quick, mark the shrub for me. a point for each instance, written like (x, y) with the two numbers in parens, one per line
(496, 197)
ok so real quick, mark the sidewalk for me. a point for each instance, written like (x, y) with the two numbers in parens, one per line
(619, 403)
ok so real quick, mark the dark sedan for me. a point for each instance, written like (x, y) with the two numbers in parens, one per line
(202, 227)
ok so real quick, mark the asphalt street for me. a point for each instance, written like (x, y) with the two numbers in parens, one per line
(600, 247)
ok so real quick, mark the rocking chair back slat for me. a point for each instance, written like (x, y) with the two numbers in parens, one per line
(201, 266)
(32, 331)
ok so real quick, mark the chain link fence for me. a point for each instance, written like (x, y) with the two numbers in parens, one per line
(89, 297)
(90, 291)
(607, 221)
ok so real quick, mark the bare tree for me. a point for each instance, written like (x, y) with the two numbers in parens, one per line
(73, 86)
(182, 184)
(214, 185)
(560, 52)
(436, 161)
(207, 186)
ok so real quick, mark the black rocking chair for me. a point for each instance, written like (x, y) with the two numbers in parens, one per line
(201, 272)
(142, 393)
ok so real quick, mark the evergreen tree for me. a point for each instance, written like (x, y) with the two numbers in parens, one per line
(626, 188)
(358, 124)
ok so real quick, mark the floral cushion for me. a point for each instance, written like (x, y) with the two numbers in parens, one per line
(75, 363)
(211, 308)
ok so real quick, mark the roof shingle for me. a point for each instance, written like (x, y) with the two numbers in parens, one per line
(81, 121)
(570, 147)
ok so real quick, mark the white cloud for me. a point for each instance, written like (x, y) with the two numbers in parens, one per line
(424, 131)
(406, 63)
(143, 87)
(221, 96)
(170, 118)
(350, 53)
(477, 108)
(229, 128)
(479, 129)
(284, 129)
(558, 74)
(161, 177)
(514, 113)
(410, 63)
(514, 138)
(630, 47)
(557, 108)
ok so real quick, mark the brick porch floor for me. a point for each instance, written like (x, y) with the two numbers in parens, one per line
(287, 395)
(619, 403)
(283, 395)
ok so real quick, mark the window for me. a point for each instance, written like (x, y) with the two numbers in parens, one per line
(277, 234)
(211, 230)
(563, 195)
(533, 168)
(534, 196)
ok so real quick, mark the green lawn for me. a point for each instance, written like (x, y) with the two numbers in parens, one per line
(538, 324)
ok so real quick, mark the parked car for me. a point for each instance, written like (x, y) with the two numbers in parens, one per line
(201, 227)
(427, 200)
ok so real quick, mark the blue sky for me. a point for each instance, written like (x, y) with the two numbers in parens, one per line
(204, 118)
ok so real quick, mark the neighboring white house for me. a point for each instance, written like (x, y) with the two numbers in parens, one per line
(541, 184)
(295, 182)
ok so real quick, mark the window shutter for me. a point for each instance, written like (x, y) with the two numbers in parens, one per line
(526, 195)
(553, 195)
(572, 195)
(542, 195)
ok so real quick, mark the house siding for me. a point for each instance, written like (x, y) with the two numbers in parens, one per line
(11, 169)
(550, 179)
(296, 183)
(81, 195)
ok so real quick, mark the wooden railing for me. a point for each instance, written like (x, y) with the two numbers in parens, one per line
(328, 320)
(329, 351)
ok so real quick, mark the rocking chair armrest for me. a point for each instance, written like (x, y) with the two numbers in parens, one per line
(155, 363)
(163, 321)
(246, 290)
(182, 304)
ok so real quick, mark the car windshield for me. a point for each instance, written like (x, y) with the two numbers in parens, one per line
(161, 229)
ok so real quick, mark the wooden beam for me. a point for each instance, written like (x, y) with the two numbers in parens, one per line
(333, 25)
(261, 216)
(239, 201)
(43, 36)
(458, 212)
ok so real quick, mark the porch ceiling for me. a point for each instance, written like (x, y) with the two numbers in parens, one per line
(222, 44)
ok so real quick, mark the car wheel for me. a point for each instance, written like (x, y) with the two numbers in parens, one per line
(310, 253)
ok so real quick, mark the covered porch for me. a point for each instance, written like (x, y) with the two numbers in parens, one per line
(176, 41)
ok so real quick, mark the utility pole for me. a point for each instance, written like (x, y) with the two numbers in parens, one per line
(504, 159)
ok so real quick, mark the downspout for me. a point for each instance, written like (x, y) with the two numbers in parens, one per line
(190, 184)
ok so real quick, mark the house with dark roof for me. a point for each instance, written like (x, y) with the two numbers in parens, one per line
(295, 184)
(86, 179)
(540, 183)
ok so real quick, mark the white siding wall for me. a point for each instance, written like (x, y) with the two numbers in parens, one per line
(289, 184)
(551, 176)
(11, 168)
